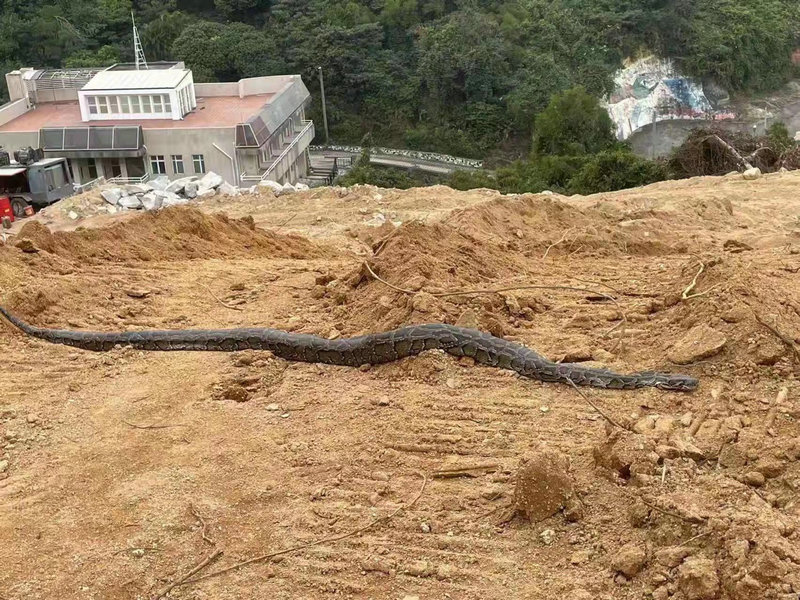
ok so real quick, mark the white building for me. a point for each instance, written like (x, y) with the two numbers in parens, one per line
(129, 125)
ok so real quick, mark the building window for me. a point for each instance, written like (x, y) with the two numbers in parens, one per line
(91, 167)
(158, 106)
(135, 104)
(199, 163)
(92, 102)
(177, 163)
(125, 104)
(146, 107)
(102, 105)
(167, 106)
(158, 165)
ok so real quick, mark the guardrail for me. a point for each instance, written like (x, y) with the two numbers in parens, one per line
(83, 187)
(130, 180)
(401, 152)
(305, 134)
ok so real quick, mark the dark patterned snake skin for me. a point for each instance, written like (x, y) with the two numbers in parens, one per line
(368, 349)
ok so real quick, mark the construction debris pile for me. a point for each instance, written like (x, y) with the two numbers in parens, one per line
(161, 192)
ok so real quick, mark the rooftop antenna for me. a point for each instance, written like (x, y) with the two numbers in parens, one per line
(141, 61)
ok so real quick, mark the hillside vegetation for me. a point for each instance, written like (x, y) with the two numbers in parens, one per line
(465, 77)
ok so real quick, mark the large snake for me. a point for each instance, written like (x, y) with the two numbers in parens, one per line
(370, 349)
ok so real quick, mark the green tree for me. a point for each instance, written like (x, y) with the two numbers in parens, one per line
(158, 36)
(573, 123)
(616, 169)
(102, 57)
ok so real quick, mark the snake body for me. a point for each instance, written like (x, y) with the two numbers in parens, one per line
(370, 349)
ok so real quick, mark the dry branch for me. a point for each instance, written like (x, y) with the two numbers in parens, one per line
(335, 538)
(212, 557)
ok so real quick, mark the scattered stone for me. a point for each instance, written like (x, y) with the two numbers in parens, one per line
(754, 478)
(137, 293)
(630, 559)
(698, 580)
(548, 536)
(769, 351)
(276, 187)
(672, 557)
(543, 485)
(698, 343)
(73, 215)
(751, 174)
(301, 187)
(273, 407)
(580, 557)
(190, 189)
(3, 466)
(425, 527)
(287, 188)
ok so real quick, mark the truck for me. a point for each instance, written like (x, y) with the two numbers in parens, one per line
(31, 180)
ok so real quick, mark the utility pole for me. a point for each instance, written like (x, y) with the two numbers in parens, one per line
(324, 109)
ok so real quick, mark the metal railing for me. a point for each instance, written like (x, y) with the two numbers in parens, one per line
(83, 187)
(305, 134)
(130, 180)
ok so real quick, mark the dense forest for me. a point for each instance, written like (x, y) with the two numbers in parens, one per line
(460, 76)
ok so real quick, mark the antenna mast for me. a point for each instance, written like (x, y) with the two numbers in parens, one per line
(141, 61)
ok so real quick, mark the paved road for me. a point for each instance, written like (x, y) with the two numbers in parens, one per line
(402, 162)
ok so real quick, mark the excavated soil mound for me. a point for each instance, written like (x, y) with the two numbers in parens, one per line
(170, 234)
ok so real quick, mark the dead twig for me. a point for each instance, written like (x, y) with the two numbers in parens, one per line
(211, 558)
(220, 300)
(672, 514)
(594, 406)
(200, 518)
(553, 245)
(135, 426)
(335, 538)
(690, 287)
(468, 471)
(789, 342)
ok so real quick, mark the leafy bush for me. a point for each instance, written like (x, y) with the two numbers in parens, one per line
(573, 123)
(615, 170)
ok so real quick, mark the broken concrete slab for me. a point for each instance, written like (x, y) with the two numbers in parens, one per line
(159, 183)
(137, 188)
(151, 201)
(130, 202)
(204, 192)
(276, 187)
(228, 189)
(112, 195)
(190, 189)
(287, 188)
(177, 186)
(301, 187)
(210, 180)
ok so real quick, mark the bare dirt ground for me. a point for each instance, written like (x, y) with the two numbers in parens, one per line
(121, 472)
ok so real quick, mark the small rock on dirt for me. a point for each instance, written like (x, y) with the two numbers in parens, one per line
(630, 559)
(698, 579)
(273, 407)
(137, 293)
(26, 245)
(543, 485)
(3, 466)
(698, 343)
(468, 319)
(751, 174)
(672, 557)
(754, 478)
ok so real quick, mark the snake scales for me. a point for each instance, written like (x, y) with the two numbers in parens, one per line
(368, 349)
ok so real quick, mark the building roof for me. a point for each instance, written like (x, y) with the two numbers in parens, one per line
(211, 112)
(136, 80)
